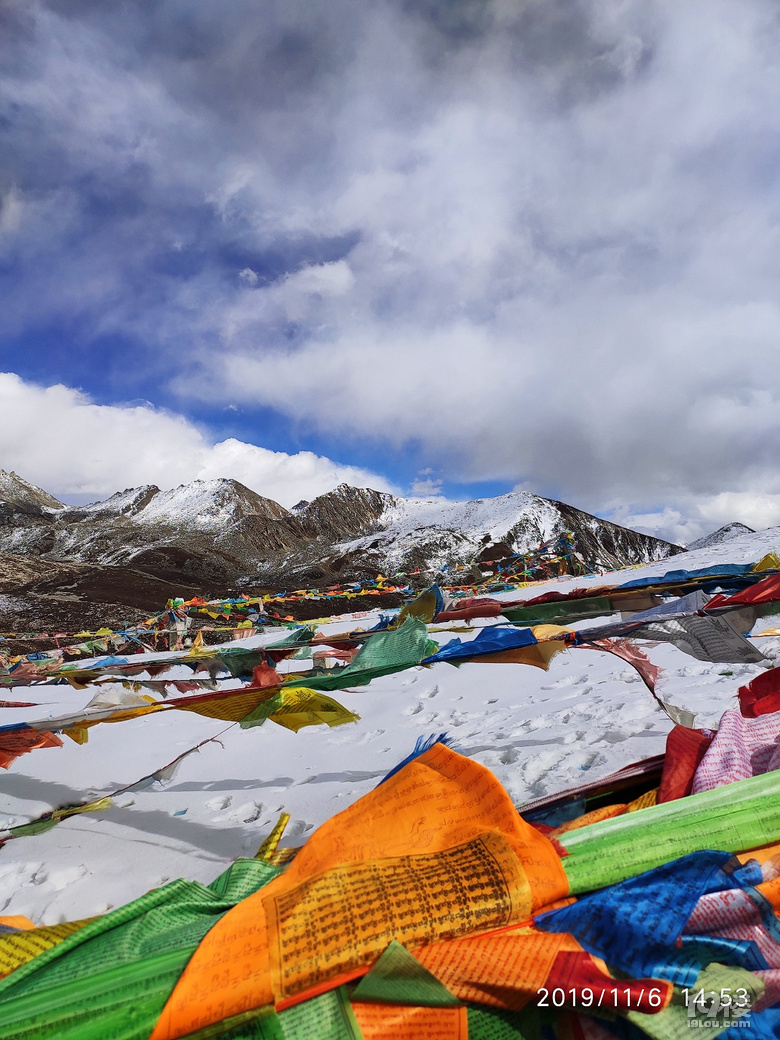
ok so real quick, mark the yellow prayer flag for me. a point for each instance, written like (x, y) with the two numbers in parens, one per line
(271, 843)
(770, 562)
(304, 707)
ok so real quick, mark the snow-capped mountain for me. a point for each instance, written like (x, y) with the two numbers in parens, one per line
(723, 534)
(221, 531)
(390, 534)
(18, 496)
(208, 529)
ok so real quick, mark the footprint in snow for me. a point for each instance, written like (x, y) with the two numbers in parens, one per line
(572, 738)
(567, 680)
(298, 828)
(218, 804)
(62, 878)
(616, 736)
(249, 812)
(366, 738)
(40, 876)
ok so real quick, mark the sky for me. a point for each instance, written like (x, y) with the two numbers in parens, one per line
(430, 248)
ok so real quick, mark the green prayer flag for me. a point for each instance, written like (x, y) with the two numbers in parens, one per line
(733, 818)
(399, 978)
(327, 1017)
(487, 1023)
(561, 611)
(24, 830)
(258, 1024)
(385, 652)
(113, 977)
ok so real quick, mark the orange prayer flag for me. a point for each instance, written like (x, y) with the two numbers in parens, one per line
(771, 890)
(17, 921)
(391, 1022)
(436, 851)
(503, 969)
(605, 812)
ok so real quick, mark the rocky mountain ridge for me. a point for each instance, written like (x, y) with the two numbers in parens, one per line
(19, 497)
(219, 531)
(393, 535)
(206, 531)
(64, 568)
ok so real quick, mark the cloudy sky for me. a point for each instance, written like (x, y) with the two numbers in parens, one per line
(452, 247)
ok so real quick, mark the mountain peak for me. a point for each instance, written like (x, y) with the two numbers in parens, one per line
(209, 504)
(723, 534)
(344, 512)
(125, 503)
(19, 495)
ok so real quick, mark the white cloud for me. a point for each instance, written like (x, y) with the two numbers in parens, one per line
(668, 524)
(698, 517)
(286, 478)
(58, 438)
(425, 487)
(539, 245)
(546, 288)
(333, 279)
(755, 509)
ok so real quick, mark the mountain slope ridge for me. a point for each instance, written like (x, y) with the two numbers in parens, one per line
(221, 530)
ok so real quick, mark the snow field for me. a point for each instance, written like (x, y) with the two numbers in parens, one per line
(538, 731)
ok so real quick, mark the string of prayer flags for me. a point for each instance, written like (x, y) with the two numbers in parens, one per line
(384, 652)
(688, 621)
(742, 815)
(471, 831)
(49, 819)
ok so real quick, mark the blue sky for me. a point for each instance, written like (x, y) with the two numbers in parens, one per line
(458, 248)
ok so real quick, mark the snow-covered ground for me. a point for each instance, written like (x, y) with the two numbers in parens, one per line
(746, 548)
(538, 731)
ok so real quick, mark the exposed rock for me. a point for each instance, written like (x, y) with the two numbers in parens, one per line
(399, 536)
(210, 531)
(42, 595)
(345, 512)
(216, 533)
